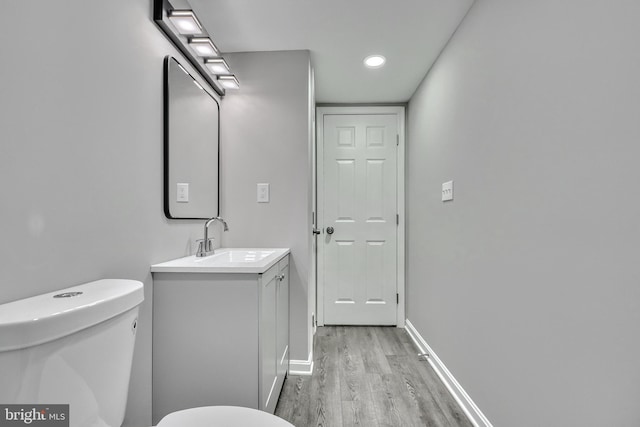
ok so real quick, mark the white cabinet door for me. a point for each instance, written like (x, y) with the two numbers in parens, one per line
(282, 306)
(268, 364)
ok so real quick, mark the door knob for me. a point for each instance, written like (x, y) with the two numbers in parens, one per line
(316, 231)
(330, 230)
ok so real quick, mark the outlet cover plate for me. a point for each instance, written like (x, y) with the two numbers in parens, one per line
(263, 193)
(182, 193)
(447, 191)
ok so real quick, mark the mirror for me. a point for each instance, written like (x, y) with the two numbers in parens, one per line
(191, 146)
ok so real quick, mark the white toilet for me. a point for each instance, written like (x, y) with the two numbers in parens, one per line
(75, 346)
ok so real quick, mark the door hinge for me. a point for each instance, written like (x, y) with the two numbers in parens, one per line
(397, 298)
(397, 219)
(397, 139)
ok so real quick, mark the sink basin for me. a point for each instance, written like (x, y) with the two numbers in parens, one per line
(225, 260)
(236, 256)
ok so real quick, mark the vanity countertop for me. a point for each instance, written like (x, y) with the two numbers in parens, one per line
(225, 260)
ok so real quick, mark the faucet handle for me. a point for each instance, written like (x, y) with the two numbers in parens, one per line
(204, 249)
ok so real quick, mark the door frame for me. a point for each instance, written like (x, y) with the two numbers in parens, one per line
(399, 111)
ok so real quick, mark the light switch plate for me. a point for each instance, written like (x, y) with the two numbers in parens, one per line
(182, 193)
(263, 193)
(447, 191)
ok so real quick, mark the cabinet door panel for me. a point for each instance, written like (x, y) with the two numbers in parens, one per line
(283, 323)
(268, 350)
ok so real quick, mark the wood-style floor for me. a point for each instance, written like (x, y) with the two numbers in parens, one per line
(367, 376)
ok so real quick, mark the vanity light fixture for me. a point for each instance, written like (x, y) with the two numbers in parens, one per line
(374, 61)
(217, 66)
(204, 46)
(185, 22)
(178, 21)
(229, 82)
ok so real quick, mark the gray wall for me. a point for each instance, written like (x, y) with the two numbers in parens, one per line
(527, 284)
(264, 137)
(81, 156)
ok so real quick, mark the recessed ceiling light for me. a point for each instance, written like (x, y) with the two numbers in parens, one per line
(374, 61)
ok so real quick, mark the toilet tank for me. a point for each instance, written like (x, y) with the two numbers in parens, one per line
(73, 346)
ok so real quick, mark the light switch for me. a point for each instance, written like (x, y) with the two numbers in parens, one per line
(447, 191)
(263, 193)
(182, 195)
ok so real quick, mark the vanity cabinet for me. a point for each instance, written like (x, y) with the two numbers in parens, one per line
(274, 335)
(220, 338)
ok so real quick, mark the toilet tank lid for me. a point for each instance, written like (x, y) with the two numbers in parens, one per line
(42, 318)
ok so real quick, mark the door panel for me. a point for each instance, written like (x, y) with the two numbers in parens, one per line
(345, 189)
(360, 203)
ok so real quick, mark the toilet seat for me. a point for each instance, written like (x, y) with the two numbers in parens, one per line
(223, 416)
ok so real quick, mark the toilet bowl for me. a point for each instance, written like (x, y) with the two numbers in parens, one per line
(75, 347)
(227, 416)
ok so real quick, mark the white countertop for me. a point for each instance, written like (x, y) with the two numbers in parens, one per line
(225, 260)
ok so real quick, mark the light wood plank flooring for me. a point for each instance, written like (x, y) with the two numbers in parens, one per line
(367, 376)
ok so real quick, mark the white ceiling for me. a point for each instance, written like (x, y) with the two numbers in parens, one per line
(340, 34)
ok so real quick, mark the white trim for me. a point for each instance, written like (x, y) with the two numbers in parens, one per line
(472, 411)
(301, 367)
(312, 286)
(269, 403)
(400, 266)
(319, 216)
(284, 355)
(400, 112)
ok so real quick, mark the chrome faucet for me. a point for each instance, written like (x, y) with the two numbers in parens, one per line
(205, 246)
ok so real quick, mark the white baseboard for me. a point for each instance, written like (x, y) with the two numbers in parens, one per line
(301, 367)
(474, 413)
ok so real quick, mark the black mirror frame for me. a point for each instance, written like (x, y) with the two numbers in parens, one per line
(166, 142)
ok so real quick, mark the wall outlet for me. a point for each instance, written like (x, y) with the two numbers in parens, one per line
(447, 191)
(182, 193)
(263, 193)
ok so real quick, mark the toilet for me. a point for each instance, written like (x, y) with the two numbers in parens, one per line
(75, 347)
(223, 416)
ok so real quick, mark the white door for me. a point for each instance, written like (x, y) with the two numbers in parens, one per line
(359, 206)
